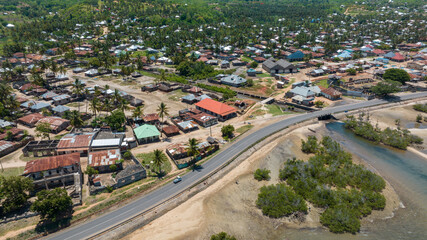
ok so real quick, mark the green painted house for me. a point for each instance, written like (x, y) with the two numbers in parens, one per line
(146, 133)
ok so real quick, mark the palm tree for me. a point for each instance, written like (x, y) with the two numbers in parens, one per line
(123, 105)
(78, 89)
(94, 105)
(107, 105)
(86, 91)
(193, 150)
(137, 112)
(159, 159)
(75, 119)
(163, 111)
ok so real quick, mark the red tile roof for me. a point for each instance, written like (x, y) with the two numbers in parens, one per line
(50, 163)
(332, 92)
(398, 57)
(216, 107)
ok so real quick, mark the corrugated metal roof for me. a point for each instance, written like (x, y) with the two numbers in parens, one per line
(103, 158)
(51, 163)
(106, 142)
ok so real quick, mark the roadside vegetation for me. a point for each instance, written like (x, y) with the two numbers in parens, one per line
(262, 174)
(420, 107)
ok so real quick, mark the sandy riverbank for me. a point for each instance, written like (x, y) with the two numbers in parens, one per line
(227, 206)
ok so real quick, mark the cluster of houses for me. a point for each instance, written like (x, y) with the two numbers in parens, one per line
(304, 93)
(206, 113)
(60, 164)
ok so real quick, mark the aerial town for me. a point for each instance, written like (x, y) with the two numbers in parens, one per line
(104, 104)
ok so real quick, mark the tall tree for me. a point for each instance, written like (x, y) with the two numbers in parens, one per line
(158, 160)
(162, 111)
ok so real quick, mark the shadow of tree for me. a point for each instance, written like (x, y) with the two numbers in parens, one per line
(48, 226)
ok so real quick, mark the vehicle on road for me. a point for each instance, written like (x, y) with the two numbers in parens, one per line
(177, 179)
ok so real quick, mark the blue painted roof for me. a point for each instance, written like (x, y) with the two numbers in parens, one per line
(189, 97)
(40, 105)
(296, 55)
(302, 91)
(60, 109)
(389, 55)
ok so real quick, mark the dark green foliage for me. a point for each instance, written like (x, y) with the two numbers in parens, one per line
(398, 138)
(383, 89)
(396, 75)
(420, 107)
(227, 131)
(279, 200)
(227, 92)
(196, 70)
(310, 146)
(14, 192)
(340, 219)
(116, 120)
(127, 155)
(53, 205)
(222, 236)
(262, 174)
(330, 180)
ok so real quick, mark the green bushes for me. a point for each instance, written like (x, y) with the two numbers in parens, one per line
(398, 138)
(340, 219)
(222, 236)
(330, 180)
(262, 174)
(310, 146)
(420, 107)
(279, 200)
(227, 92)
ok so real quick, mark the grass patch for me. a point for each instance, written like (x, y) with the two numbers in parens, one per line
(16, 225)
(246, 59)
(13, 171)
(26, 159)
(323, 83)
(57, 137)
(262, 75)
(146, 158)
(274, 110)
(176, 95)
(244, 129)
(149, 74)
(74, 104)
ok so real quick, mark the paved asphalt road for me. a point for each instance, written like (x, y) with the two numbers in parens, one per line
(108, 220)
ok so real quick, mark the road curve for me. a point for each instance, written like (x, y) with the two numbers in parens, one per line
(141, 204)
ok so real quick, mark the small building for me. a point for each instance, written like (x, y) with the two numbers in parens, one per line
(303, 100)
(103, 160)
(233, 80)
(135, 102)
(30, 120)
(78, 70)
(49, 95)
(104, 140)
(152, 118)
(146, 134)
(54, 171)
(7, 147)
(75, 142)
(38, 107)
(331, 93)
(296, 56)
(190, 99)
(300, 91)
(5, 124)
(92, 73)
(60, 110)
(281, 66)
(57, 124)
(225, 64)
(61, 99)
(204, 119)
(187, 126)
(220, 110)
(170, 130)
